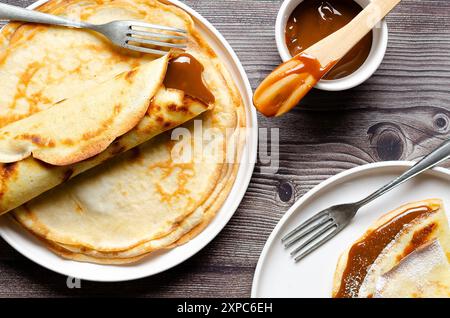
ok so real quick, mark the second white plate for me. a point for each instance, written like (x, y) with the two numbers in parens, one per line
(276, 273)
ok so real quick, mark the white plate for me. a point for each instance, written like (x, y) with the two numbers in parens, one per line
(276, 273)
(27, 245)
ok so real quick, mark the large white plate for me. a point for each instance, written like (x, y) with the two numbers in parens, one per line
(276, 273)
(31, 248)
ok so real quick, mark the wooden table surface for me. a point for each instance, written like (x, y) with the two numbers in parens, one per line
(401, 113)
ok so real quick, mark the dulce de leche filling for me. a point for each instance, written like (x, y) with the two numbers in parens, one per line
(314, 20)
(364, 253)
(185, 73)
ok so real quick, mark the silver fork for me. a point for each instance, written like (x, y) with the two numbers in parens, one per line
(123, 33)
(323, 226)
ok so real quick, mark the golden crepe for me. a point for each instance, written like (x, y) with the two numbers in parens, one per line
(425, 273)
(146, 199)
(406, 253)
(121, 110)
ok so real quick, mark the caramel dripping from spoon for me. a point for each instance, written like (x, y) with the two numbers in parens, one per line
(291, 81)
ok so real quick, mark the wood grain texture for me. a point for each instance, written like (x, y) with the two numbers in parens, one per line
(402, 112)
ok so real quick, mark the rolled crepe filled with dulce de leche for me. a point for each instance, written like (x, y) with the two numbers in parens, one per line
(45, 149)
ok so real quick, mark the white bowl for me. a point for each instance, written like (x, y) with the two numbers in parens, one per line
(373, 61)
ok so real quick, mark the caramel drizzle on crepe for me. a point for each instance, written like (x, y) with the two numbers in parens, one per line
(364, 253)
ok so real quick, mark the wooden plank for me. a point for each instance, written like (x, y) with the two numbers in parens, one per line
(402, 112)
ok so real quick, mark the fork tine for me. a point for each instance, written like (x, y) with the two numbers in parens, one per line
(154, 42)
(317, 244)
(154, 26)
(303, 225)
(144, 49)
(313, 238)
(306, 231)
(156, 35)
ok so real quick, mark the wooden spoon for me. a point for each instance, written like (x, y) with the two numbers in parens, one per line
(292, 80)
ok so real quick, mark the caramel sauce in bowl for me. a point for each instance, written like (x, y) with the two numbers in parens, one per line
(320, 18)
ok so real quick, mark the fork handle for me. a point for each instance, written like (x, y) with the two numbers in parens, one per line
(13, 13)
(437, 156)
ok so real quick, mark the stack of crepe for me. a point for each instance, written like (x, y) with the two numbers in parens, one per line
(70, 101)
(414, 264)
